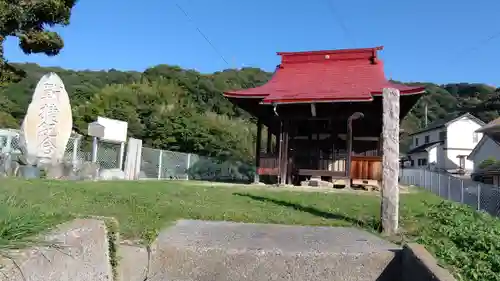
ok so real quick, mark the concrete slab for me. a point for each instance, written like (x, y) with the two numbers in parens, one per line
(201, 250)
(80, 253)
(283, 238)
(133, 262)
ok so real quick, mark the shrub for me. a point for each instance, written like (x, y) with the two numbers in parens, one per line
(464, 239)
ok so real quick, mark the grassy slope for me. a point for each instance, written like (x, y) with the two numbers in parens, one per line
(469, 242)
(144, 207)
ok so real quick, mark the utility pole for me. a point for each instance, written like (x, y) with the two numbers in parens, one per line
(425, 112)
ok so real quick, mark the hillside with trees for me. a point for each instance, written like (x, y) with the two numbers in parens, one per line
(183, 110)
(166, 106)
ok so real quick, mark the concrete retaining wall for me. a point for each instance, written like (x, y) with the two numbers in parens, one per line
(85, 249)
(419, 265)
(76, 251)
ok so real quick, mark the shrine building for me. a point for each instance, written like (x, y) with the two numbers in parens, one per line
(323, 113)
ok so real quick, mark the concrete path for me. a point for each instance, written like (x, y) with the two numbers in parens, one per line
(201, 250)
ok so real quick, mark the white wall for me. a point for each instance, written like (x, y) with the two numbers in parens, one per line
(420, 155)
(433, 156)
(460, 141)
(433, 136)
(489, 149)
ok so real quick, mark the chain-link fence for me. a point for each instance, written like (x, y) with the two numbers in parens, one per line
(164, 164)
(155, 164)
(478, 195)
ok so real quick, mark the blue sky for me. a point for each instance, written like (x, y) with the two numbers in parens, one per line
(438, 41)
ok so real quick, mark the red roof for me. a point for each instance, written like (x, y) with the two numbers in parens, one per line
(325, 76)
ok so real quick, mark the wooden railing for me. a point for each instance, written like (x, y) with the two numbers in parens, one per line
(363, 166)
(268, 165)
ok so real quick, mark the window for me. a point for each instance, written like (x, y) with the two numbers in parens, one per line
(416, 141)
(442, 136)
(475, 137)
(422, 162)
(427, 139)
(412, 163)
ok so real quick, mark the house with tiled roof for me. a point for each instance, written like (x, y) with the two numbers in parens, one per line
(488, 148)
(446, 144)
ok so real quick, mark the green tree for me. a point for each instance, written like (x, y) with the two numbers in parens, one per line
(28, 21)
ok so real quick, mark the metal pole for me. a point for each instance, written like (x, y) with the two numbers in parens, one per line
(449, 183)
(188, 165)
(349, 138)
(160, 164)
(439, 184)
(425, 180)
(95, 146)
(478, 196)
(462, 192)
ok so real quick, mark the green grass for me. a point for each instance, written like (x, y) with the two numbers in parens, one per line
(467, 241)
(142, 208)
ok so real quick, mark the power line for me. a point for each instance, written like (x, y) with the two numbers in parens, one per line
(202, 34)
(477, 47)
(340, 22)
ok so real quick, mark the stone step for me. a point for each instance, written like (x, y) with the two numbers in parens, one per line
(74, 251)
(200, 250)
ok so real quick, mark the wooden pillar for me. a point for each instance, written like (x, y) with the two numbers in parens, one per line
(278, 140)
(348, 139)
(380, 145)
(289, 159)
(269, 141)
(331, 157)
(257, 150)
(317, 166)
(310, 142)
(284, 153)
(277, 151)
(390, 166)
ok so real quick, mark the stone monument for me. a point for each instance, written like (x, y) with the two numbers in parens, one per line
(48, 123)
(390, 162)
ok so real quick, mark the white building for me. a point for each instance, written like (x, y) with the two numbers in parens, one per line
(489, 146)
(445, 144)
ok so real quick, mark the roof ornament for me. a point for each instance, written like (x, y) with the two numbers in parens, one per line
(373, 58)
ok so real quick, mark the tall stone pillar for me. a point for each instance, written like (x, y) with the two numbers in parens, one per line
(390, 163)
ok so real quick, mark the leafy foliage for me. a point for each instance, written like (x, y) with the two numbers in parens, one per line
(28, 21)
(465, 240)
(183, 110)
(487, 162)
(167, 107)
(450, 99)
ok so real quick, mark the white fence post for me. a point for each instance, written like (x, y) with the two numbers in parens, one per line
(188, 164)
(439, 184)
(462, 192)
(449, 183)
(122, 154)
(160, 163)
(478, 197)
(74, 154)
(424, 182)
(95, 146)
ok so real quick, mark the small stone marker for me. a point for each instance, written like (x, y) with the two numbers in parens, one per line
(390, 163)
(48, 122)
